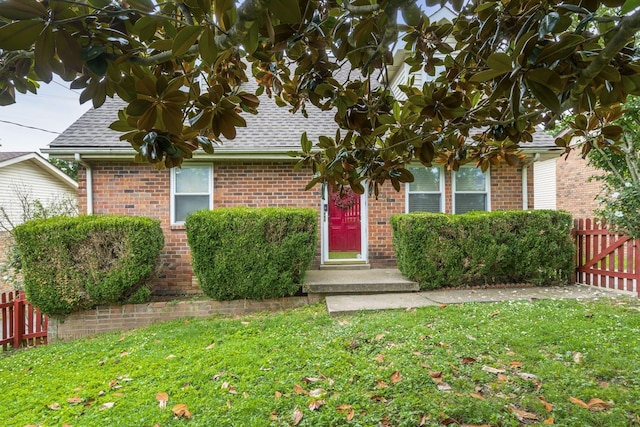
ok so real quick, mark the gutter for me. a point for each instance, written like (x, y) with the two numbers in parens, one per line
(89, 182)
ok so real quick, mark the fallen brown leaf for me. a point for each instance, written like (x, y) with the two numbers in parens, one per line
(297, 416)
(435, 374)
(310, 380)
(162, 399)
(396, 377)
(318, 392)
(299, 390)
(107, 405)
(523, 415)
(277, 395)
(74, 400)
(380, 358)
(316, 404)
(343, 407)
(468, 360)
(547, 406)
(477, 396)
(378, 399)
(379, 336)
(181, 411)
(273, 416)
(442, 386)
(578, 402)
(443, 306)
(503, 378)
(596, 404)
(515, 364)
(548, 421)
(577, 357)
(55, 406)
(494, 314)
(493, 370)
(381, 384)
(351, 414)
(210, 346)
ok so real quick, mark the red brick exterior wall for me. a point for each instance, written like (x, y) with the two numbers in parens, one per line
(574, 192)
(134, 189)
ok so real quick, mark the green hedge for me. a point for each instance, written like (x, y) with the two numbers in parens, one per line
(75, 263)
(251, 253)
(439, 250)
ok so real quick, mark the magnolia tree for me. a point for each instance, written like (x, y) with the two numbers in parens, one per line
(501, 71)
(620, 197)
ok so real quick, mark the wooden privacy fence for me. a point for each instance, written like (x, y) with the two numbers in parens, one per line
(22, 323)
(605, 259)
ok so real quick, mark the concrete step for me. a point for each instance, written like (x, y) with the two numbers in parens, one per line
(357, 282)
(346, 266)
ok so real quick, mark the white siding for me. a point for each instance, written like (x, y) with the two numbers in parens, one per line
(544, 184)
(26, 178)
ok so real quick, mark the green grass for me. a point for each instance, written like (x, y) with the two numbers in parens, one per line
(263, 358)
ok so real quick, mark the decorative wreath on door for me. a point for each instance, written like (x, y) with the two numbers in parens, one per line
(346, 200)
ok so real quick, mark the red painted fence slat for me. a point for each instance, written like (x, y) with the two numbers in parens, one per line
(606, 259)
(22, 323)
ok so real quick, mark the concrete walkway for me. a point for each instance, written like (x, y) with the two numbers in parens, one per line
(345, 304)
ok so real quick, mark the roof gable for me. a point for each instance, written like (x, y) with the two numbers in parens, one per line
(31, 158)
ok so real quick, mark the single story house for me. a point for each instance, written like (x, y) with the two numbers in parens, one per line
(26, 177)
(254, 170)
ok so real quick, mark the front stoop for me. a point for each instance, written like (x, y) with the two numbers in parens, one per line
(331, 282)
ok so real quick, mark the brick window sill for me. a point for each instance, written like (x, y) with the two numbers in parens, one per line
(177, 227)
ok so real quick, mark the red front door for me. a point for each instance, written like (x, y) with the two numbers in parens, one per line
(344, 225)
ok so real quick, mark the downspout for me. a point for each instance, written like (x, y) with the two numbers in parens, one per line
(89, 183)
(525, 179)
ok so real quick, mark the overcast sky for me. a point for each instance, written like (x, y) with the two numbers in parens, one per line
(53, 109)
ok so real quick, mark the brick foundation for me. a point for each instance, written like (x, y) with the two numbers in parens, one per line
(125, 317)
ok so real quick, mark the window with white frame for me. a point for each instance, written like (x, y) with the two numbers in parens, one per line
(425, 192)
(470, 190)
(191, 190)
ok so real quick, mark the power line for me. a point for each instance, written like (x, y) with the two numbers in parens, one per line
(29, 127)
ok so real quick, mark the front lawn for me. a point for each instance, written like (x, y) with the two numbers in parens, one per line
(507, 364)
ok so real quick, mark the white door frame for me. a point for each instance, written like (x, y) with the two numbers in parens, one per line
(364, 231)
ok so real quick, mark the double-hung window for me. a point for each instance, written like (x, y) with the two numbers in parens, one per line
(470, 190)
(425, 192)
(191, 190)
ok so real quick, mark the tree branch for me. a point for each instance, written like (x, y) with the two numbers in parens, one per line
(248, 14)
(628, 27)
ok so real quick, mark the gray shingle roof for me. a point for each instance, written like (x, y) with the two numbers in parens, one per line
(8, 155)
(273, 128)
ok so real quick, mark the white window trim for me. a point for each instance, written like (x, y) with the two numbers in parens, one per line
(441, 192)
(487, 190)
(173, 190)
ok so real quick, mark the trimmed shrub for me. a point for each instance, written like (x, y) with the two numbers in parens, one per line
(76, 263)
(477, 248)
(251, 253)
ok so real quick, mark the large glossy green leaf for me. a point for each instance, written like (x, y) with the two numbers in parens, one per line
(287, 11)
(251, 40)
(486, 75)
(545, 77)
(22, 9)
(545, 95)
(185, 38)
(20, 35)
(69, 50)
(499, 62)
(44, 53)
(558, 50)
(207, 46)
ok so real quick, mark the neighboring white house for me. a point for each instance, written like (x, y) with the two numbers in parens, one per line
(29, 176)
